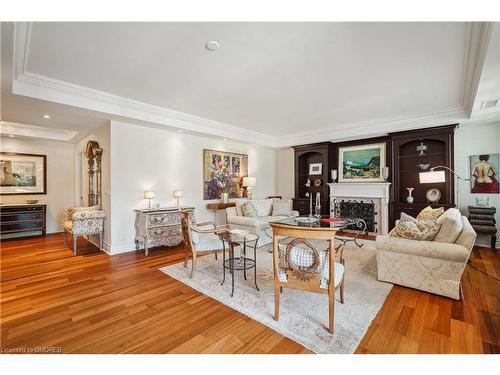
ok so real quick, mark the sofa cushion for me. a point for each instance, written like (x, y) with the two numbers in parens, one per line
(282, 207)
(239, 203)
(429, 213)
(242, 220)
(264, 207)
(451, 226)
(249, 210)
(412, 229)
(429, 249)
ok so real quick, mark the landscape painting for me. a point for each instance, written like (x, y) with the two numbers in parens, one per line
(22, 173)
(362, 163)
(222, 173)
(483, 172)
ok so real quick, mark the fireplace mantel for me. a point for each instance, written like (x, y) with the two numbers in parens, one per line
(376, 191)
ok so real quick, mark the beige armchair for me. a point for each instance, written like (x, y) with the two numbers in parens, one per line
(84, 221)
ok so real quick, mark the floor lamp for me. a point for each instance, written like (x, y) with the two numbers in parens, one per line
(434, 176)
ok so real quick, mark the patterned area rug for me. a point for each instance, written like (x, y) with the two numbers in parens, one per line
(303, 315)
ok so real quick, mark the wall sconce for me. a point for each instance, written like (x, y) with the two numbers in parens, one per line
(178, 194)
(149, 195)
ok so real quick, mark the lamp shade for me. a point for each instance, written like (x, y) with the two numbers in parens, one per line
(177, 193)
(249, 181)
(431, 177)
(149, 194)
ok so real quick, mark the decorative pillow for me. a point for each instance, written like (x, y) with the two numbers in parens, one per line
(412, 229)
(282, 207)
(429, 213)
(249, 210)
(264, 207)
(239, 206)
(451, 226)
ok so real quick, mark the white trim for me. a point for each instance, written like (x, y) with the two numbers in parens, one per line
(55, 229)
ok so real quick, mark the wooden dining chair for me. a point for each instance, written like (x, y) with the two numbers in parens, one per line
(298, 264)
(200, 239)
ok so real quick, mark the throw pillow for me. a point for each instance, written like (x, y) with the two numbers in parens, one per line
(263, 207)
(249, 210)
(429, 213)
(282, 207)
(412, 229)
(451, 226)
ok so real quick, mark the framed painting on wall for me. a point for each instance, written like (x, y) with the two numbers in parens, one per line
(22, 173)
(222, 173)
(483, 171)
(362, 163)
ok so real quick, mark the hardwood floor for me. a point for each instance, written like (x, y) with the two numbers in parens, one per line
(94, 303)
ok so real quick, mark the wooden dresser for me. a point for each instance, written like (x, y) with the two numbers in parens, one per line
(159, 227)
(20, 218)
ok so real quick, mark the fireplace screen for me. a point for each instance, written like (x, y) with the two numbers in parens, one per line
(352, 209)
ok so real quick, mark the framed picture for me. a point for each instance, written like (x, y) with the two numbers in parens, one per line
(223, 173)
(22, 173)
(362, 163)
(315, 168)
(483, 172)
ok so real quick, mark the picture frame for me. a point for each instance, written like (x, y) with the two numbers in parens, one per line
(23, 174)
(223, 172)
(315, 168)
(484, 171)
(362, 163)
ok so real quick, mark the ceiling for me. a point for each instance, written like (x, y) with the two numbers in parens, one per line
(275, 84)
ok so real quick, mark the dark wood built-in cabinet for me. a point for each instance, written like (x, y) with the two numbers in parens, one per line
(19, 218)
(402, 159)
(304, 156)
(439, 142)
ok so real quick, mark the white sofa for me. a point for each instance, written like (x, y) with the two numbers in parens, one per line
(434, 267)
(258, 225)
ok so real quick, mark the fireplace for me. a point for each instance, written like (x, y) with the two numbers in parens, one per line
(353, 209)
(366, 198)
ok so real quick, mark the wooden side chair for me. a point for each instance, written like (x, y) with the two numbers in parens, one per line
(200, 239)
(300, 265)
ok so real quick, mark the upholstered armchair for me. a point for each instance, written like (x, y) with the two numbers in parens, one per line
(84, 221)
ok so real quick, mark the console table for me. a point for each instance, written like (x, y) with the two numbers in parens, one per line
(159, 226)
(21, 217)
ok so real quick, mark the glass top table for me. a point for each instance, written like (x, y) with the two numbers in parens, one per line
(239, 238)
(327, 222)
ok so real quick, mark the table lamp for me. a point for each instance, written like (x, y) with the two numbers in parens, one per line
(178, 194)
(249, 183)
(149, 195)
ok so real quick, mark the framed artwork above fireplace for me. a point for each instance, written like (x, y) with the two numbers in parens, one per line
(362, 163)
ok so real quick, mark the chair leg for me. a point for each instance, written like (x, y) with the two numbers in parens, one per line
(193, 265)
(342, 290)
(74, 245)
(277, 296)
(65, 238)
(186, 257)
(101, 241)
(461, 291)
(331, 308)
(215, 256)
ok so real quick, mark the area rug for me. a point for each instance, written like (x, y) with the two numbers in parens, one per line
(303, 315)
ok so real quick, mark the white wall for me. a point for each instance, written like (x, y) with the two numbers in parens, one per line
(144, 158)
(475, 139)
(285, 183)
(60, 176)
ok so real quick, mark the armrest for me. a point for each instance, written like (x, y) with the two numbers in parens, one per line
(430, 249)
(294, 213)
(88, 214)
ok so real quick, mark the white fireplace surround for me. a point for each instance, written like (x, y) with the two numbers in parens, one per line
(378, 192)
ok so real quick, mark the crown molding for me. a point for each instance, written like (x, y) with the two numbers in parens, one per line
(374, 128)
(477, 40)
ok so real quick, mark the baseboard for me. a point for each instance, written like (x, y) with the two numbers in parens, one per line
(55, 229)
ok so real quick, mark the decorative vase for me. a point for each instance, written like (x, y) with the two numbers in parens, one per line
(409, 198)
(224, 197)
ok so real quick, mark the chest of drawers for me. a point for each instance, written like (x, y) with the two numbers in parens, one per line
(19, 218)
(159, 227)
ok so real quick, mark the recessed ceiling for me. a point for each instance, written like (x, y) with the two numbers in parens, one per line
(273, 83)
